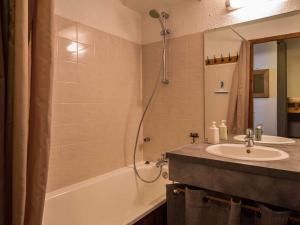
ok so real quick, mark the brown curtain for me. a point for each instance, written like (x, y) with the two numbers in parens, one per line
(26, 70)
(238, 110)
(3, 70)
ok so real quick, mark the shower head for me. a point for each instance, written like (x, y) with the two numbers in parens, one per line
(154, 14)
(162, 17)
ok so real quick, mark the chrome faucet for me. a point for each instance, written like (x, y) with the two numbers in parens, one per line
(162, 161)
(258, 132)
(249, 139)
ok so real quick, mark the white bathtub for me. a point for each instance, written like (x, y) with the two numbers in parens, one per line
(116, 198)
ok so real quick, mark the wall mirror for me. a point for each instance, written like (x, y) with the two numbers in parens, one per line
(252, 75)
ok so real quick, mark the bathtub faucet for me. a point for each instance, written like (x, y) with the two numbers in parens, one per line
(162, 161)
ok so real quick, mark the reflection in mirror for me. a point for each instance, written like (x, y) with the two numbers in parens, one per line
(258, 65)
(278, 110)
(265, 101)
(293, 87)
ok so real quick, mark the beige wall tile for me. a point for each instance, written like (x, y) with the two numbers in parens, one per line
(65, 28)
(67, 49)
(66, 113)
(66, 71)
(97, 104)
(64, 134)
(64, 92)
(178, 107)
(86, 53)
(87, 35)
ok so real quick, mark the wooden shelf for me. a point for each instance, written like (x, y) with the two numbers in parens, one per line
(294, 105)
(293, 110)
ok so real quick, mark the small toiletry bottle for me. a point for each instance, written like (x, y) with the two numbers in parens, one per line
(213, 134)
(223, 130)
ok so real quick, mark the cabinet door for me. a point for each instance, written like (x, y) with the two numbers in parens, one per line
(175, 205)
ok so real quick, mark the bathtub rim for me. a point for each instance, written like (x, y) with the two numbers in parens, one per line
(93, 180)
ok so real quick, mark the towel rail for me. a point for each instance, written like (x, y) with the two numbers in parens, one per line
(228, 202)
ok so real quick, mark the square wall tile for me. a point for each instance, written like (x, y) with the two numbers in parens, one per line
(86, 53)
(86, 34)
(67, 50)
(65, 28)
(66, 71)
(66, 92)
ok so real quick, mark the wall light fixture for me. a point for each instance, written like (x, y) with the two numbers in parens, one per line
(237, 4)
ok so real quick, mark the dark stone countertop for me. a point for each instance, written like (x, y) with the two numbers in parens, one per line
(284, 169)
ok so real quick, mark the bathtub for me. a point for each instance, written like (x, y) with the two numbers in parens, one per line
(115, 198)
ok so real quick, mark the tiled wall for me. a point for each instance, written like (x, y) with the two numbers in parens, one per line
(96, 104)
(177, 108)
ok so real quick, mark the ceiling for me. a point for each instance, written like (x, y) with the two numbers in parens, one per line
(143, 6)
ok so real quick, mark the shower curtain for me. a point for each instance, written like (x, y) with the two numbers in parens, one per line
(26, 61)
(238, 109)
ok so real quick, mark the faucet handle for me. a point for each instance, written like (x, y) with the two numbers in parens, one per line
(249, 132)
(259, 126)
(258, 132)
(162, 157)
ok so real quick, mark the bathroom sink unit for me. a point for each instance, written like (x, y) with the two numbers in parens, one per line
(266, 175)
(241, 152)
(268, 139)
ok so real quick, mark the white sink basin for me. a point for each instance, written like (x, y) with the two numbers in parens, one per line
(241, 152)
(267, 139)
